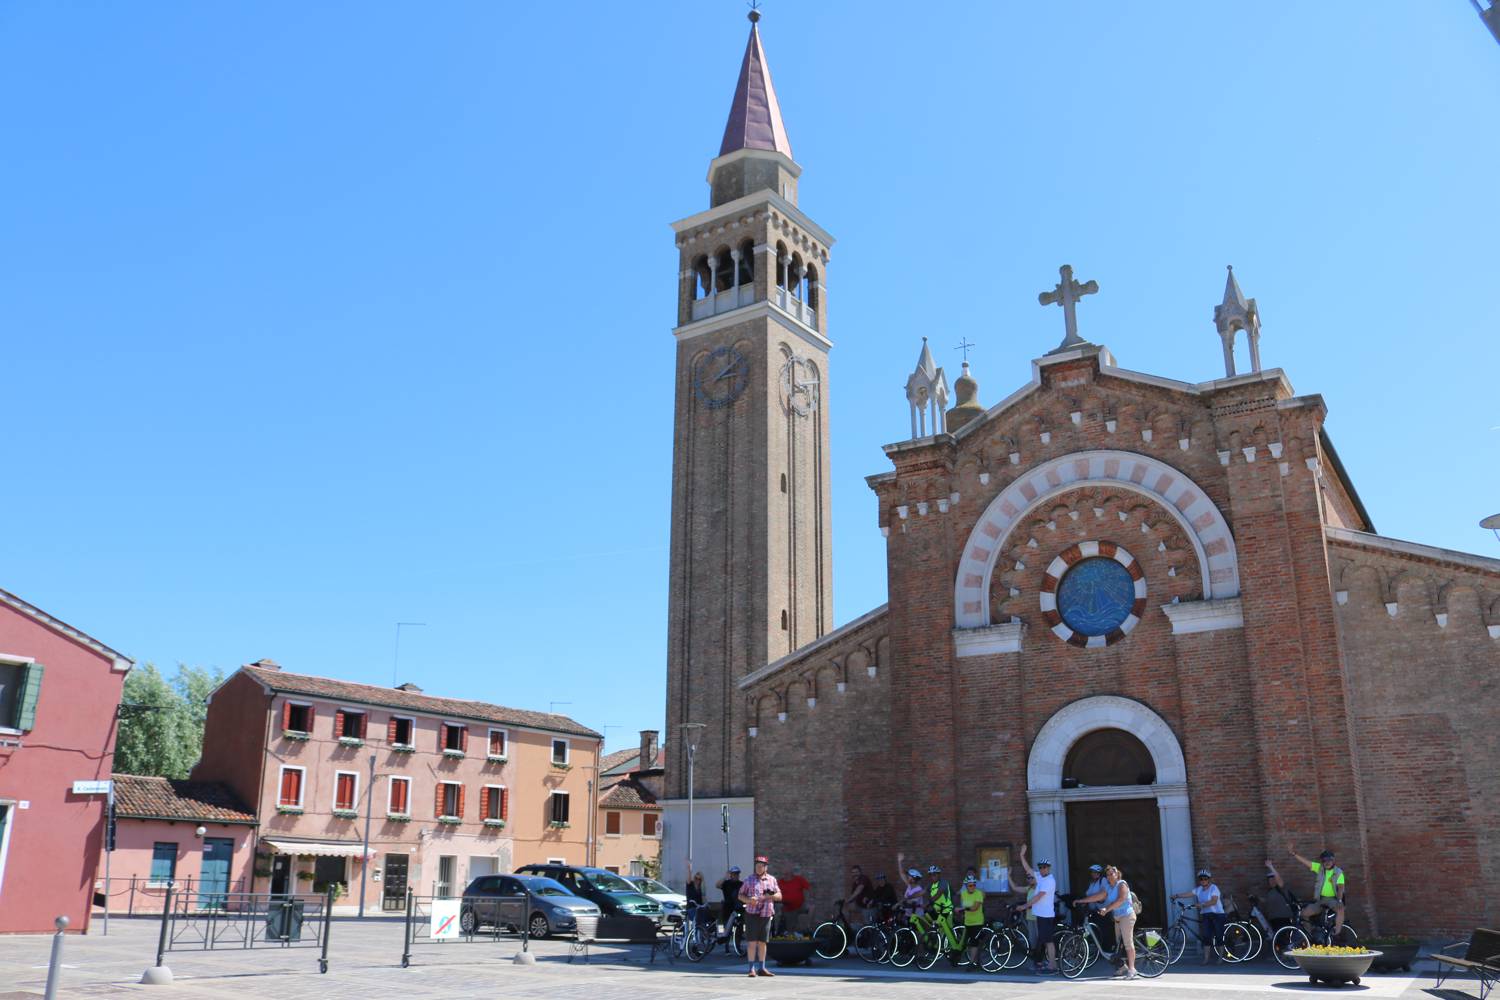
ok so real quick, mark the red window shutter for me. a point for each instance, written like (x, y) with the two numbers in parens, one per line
(504, 794)
(309, 718)
(460, 802)
(390, 730)
(338, 724)
(437, 810)
(484, 803)
(402, 787)
(286, 715)
(463, 738)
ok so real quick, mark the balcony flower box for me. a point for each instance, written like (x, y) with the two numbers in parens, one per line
(289, 810)
(456, 754)
(295, 734)
(402, 748)
(497, 824)
(398, 817)
(346, 813)
(449, 820)
(497, 758)
(351, 741)
(558, 766)
(559, 826)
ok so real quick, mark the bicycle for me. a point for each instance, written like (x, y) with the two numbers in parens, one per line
(699, 934)
(1177, 936)
(1011, 944)
(874, 942)
(1078, 950)
(1295, 936)
(832, 937)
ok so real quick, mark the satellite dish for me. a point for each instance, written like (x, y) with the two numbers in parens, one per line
(1492, 522)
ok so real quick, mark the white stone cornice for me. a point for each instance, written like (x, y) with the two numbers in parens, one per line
(988, 639)
(1205, 616)
(755, 310)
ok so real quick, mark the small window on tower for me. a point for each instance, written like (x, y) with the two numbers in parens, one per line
(783, 619)
(783, 482)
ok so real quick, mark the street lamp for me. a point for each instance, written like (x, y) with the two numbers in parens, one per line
(1493, 521)
(690, 741)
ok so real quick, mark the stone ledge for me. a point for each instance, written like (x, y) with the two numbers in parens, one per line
(988, 639)
(1205, 616)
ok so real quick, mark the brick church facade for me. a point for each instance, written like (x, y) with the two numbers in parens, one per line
(1130, 618)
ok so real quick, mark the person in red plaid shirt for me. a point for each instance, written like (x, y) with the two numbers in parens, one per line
(759, 895)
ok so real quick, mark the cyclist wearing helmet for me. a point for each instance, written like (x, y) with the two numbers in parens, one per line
(1103, 928)
(971, 899)
(729, 885)
(1211, 918)
(913, 896)
(1330, 893)
(940, 901)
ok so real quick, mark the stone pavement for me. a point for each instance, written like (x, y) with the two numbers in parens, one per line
(365, 961)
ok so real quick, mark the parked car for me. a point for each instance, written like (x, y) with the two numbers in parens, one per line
(673, 904)
(614, 896)
(546, 907)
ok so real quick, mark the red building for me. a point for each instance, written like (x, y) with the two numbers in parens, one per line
(59, 696)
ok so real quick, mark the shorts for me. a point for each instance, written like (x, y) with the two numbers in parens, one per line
(1125, 929)
(757, 928)
(1046, 927)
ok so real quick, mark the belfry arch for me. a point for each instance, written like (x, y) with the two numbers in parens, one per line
(1184, 500)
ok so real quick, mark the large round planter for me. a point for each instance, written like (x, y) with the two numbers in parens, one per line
(1335, 970)
(790, 952)
(1396, 956)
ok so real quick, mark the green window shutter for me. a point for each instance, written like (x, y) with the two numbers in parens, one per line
(31, 689)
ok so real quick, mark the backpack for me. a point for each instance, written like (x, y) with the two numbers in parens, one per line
(1135, 903)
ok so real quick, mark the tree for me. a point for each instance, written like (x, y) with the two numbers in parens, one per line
(161, 722)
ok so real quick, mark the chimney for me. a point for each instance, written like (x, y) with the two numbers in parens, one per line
(409, 686)
(648, 749)
(266, 664)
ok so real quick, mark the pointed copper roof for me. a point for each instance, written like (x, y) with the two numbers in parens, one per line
(1232, 294)
(755, 115)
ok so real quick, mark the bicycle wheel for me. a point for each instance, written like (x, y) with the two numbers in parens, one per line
(904, 948)
(929, 949)
(1287, 939)
(1176, 937)
(1020, 948)
(1345, 938)
(737, 938)
(994, 949)
(1236, 944)
(1151, 960)
(1073, 955)
(830, 941)
(696, 944)
(869, 943)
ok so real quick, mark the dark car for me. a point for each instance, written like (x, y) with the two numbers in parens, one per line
(614, 896)
(507, 901)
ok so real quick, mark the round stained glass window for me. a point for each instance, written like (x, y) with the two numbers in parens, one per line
(1095, 596)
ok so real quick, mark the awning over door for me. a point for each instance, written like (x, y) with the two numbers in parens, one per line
(317, 848)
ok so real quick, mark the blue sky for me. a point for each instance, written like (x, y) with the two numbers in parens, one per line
(319, 317)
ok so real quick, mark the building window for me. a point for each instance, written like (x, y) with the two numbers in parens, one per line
(20, 687)
(398, 732)
(349, 725)
(291, 788)
(648, 824)
(297, 718)
(559, 751)
(163, 863)
(398, 800)
(499, 743)
(450, 800)
(455, 737)
(492, 804)
(559, 807)
(345, 790)
(612, 824)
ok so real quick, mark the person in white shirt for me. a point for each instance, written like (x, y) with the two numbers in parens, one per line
(1211, 918)
(1044, 906)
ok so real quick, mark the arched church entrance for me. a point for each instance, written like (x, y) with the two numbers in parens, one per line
(1107, 784)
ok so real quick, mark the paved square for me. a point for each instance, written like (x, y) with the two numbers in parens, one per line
(365, 960)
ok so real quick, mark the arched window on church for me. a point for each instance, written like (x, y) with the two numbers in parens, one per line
(812, 287)
(782, 262)
(724, 271)
(747, 263)
(1108, 757)
(702, 278)
(796, 277)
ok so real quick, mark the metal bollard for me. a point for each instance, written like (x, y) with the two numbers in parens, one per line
(54, 967)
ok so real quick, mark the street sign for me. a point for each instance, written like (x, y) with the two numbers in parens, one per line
(91, 787)
(445, 919)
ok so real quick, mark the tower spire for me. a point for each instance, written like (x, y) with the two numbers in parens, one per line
(1237, 313)
(755, 114)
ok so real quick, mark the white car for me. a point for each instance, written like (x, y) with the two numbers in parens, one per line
(673, 904)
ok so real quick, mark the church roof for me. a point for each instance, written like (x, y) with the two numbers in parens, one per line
(755, 115)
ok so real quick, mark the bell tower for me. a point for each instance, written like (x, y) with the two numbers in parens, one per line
(751, 566)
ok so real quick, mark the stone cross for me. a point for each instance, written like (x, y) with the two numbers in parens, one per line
(965, 346)
(1066, 294)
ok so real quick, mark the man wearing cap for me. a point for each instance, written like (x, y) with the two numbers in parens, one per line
(759, 895)
(729, 885)
(1330, 894)
(1044, 906)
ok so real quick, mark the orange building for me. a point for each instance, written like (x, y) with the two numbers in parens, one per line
(629, 821)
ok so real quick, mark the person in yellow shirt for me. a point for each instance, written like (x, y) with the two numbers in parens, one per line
(971, 902)
(1330, 893)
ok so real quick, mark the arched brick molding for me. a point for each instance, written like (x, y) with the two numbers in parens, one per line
(1171, 489)
(1048, 799)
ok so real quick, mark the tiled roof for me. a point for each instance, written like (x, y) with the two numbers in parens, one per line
(383, 697)
(613, 761)
(143, 797)
(628, 795)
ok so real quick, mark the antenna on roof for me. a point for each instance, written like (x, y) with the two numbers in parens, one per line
(396, 659)
(552, 706)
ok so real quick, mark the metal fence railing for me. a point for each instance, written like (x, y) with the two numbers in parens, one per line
(129, 895)
(439, 920)
(245, 920)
